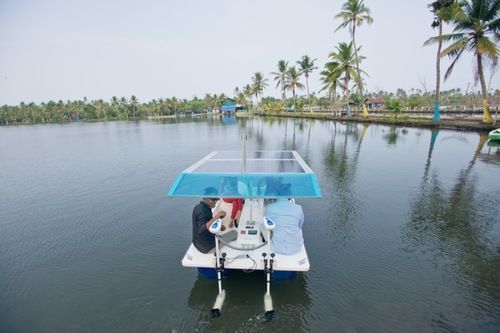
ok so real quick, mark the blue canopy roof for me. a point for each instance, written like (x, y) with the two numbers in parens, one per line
(228, 108)
(264, 174)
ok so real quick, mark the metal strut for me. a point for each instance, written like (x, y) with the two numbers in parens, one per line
(268, 300)
(219, 265)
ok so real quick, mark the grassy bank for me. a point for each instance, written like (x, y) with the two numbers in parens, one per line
(460, 124)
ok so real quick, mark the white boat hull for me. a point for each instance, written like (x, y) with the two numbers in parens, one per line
(298, 262)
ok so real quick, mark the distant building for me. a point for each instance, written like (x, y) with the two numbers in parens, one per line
(314, 108)
(375, 103)
(229, 105)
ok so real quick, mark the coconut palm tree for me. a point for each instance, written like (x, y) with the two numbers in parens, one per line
(174, 103)
(346, 69)
(443, 11)
(241, 98)
(123, 106)
(248, 91)
(207, 102)
(293, 83)
(133, 104)
(280, 77)
(330, 79)
(477, 29)
(306, 66)
(354, 13)
(258, 85)
(115, 105)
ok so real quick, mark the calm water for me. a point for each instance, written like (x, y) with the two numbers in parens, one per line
(405, 239)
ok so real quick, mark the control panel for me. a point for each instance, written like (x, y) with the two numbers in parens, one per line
(249, 233)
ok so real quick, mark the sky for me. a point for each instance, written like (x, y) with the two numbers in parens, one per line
(67, 50)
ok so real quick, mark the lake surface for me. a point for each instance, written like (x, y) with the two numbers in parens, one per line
(406, 237)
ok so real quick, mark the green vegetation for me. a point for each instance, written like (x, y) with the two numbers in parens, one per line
(394, 105)
(354, 13)
(122, 108)
(477, 29)
(293, 83)
(115, 109)
(258, 85)
(306, 66)
(280, 77)
(345, 70)
(443, 11)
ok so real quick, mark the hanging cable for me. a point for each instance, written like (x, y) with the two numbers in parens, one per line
(241, 248)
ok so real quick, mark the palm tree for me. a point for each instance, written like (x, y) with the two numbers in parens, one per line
(330, 77)
(354, 13)
(475, 25)
(306, 66)
(443, 11)
(123, 106)
(241, 98)
(280, 77)
(173, 105)
(101, 109)
(115, 104)
(346, 68)
(133, 103)
(258, 85)
(248, 91)
(293, 83)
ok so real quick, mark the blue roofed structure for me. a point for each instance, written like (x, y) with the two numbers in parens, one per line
(228, 105)
(228, 108)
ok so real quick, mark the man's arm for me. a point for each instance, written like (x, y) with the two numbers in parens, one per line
(301, 217)
(220, 214)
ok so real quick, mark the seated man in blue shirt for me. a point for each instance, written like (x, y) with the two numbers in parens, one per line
(289, 218)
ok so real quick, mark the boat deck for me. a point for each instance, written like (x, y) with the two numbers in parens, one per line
(251, 233)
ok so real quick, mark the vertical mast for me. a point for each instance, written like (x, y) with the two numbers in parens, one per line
(244, 157)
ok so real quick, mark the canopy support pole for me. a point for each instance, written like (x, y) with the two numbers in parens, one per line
(244, 157)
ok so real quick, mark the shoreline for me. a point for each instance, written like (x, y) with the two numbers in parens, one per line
(403, 120)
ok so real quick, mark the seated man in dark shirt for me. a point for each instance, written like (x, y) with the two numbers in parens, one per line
(203, 239)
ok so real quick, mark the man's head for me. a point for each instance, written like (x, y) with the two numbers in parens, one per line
(284, 190)
(210, 196)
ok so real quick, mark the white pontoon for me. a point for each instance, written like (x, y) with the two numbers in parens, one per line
(254, 177)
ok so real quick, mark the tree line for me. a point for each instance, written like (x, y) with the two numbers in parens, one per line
(115, 109)
(131, 108)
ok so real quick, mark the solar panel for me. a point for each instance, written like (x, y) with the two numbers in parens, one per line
(263, 174)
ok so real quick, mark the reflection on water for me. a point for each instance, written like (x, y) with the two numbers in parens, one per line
(492, 154)
(341, 165)
(455, 222)
(245, 301)
(449, 216)
(393, 134)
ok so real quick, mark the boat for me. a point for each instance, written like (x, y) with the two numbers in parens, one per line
(252, 177)
(493, 144)
(494, 135)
